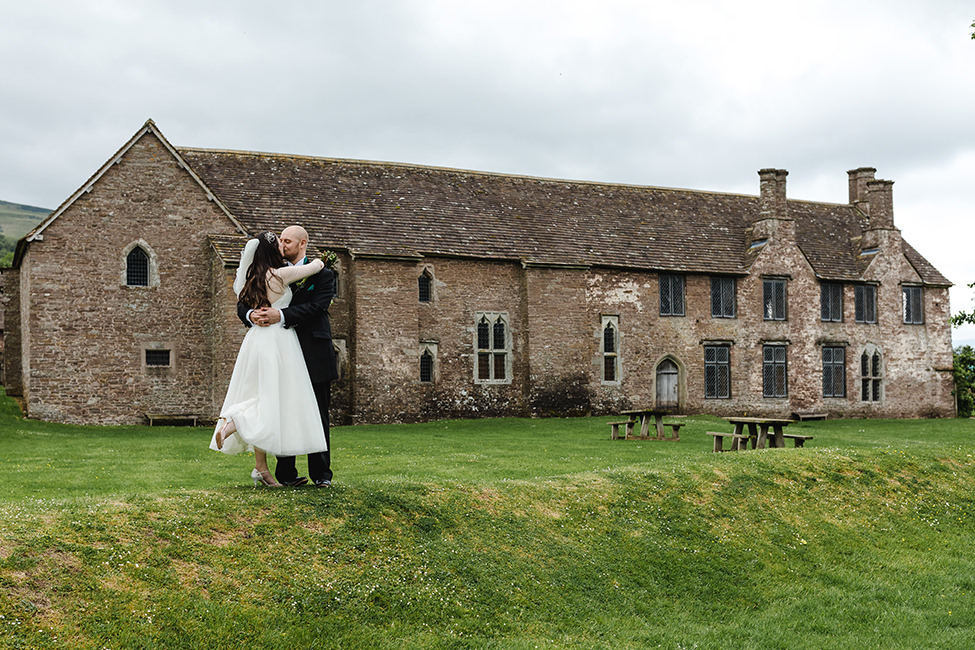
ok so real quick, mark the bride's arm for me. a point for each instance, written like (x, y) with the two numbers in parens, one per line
(289, 274)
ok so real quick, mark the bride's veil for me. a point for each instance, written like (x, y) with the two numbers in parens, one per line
(246, 258)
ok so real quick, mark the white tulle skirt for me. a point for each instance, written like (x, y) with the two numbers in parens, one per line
(270, 397)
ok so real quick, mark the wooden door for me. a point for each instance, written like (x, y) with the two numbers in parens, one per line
(667, 382)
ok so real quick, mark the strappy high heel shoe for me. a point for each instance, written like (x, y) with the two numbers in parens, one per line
(223, 434)
(264, 478)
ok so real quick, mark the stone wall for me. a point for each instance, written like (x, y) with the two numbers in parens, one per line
(86, 332)
(12, 349)
(76, 334)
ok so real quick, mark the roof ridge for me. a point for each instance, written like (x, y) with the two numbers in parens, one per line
(461, 170)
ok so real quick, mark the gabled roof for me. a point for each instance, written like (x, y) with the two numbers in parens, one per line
(147, 128)
(411, 211)
(407, 210)
(374, 208)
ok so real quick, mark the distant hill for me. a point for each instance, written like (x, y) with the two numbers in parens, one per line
(17, 220)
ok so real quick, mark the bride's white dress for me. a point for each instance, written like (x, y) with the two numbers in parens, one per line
(270, 396)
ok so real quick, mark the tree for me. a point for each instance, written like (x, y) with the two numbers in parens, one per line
(7, 247)
(962, 318)
(964, 371)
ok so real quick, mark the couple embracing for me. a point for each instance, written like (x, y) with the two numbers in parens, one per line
(278, 398)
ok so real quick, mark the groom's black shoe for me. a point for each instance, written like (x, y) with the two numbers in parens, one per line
(301, 480)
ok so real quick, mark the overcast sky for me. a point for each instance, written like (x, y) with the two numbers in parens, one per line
(689, 94)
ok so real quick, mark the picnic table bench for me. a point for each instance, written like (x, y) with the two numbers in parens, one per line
(757, 433)
(644, 417)
(758, 430)
(627, 432)
(738, 441)
(797, 440)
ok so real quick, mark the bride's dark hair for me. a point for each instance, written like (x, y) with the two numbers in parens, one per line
(267, 257)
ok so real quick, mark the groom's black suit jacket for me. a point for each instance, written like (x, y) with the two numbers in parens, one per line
(308, 315)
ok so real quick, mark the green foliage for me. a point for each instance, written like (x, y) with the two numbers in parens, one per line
(7, 248)
(964, 317)
(964, 371)
(505, 534)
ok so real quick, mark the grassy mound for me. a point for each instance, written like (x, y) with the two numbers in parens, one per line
(491, 534)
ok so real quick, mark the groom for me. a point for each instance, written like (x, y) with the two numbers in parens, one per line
(308, 315)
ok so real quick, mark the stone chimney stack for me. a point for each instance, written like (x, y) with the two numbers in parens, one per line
(772, 204)
(859, 196)
(880, 194)
(773, 220)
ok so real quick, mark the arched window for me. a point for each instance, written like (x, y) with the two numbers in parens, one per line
(137, 268)
(339, 279)
(871, 375)
(493, 358)
(610, 350)
(425, 287)
(426, 367)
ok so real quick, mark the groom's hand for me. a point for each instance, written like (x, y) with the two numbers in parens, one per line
(265, 316)
(273, 315)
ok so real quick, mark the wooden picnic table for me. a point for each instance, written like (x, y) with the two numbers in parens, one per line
(758, 430)
(657, 415)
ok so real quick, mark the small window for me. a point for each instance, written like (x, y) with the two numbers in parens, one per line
(339, 279)
(834, 372)
(865, 297)
(137, 268)
(157, 358)
(610, 350)
(717, 372)
(426, 367)
(493, 358)
(774, 371)
(871, 370)
(722, 297)
(831, 301)
(773, 299)
(914, 305)
(424, 285)
(671, 295)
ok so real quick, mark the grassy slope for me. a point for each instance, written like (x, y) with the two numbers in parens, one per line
(491, 534)
(17, 220)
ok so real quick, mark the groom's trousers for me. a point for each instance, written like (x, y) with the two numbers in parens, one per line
(319, 463)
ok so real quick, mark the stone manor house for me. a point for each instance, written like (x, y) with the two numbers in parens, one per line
(469, 294)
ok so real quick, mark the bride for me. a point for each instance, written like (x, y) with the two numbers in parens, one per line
(270, 403)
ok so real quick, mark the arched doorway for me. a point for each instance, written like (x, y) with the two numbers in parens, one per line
(668, 383)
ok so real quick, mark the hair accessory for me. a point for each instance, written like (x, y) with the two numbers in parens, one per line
(270, 237)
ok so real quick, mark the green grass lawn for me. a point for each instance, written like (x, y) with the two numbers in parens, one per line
(508, 533)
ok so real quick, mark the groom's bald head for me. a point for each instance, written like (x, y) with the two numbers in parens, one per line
(294, 243)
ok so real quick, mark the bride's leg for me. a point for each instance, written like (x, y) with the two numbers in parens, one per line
(228, 430)
(260, 460)
(261, 471)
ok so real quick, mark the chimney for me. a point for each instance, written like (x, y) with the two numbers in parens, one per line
(771, 200)
(859, 178)
(773, 220)
(880, 194)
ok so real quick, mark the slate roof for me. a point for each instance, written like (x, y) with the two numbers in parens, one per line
(393, 209)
